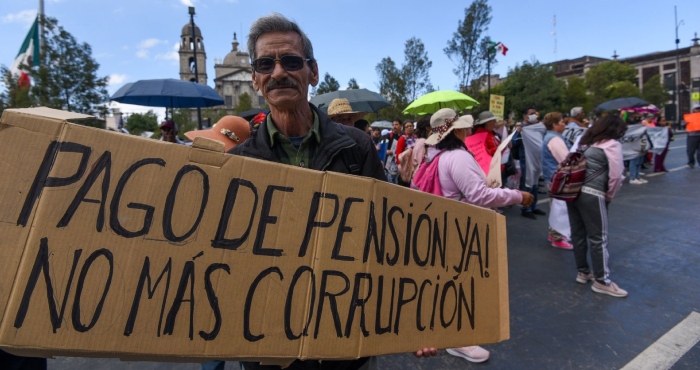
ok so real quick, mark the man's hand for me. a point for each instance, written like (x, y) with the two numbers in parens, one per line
(389, 152)
(426, 352)
(527, 199)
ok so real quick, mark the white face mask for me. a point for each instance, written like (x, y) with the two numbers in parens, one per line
(532, 118)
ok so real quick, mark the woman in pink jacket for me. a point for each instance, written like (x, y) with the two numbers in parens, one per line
(588, 214)
(462, 179)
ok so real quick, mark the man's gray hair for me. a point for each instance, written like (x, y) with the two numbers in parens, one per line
(575, 111)
(276, 22)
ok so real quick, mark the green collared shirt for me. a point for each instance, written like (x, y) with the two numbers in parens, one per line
(284, 150)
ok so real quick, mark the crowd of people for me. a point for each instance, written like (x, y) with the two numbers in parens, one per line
(432, 155)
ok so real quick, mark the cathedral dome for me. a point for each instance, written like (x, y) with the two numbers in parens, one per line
(187, 30)
(236, 57)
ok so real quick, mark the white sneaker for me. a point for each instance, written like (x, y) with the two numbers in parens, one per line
(636, 182)
(643, 181)
(474, 354)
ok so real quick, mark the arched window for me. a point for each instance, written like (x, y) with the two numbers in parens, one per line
(191, 64)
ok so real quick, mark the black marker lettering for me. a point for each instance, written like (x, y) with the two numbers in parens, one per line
(220, 240)
(265, 219)
(104, 163)
(311, 222)
(114, 222)
(77, 324)
(170, 204)
(213, 300)
(342, 229)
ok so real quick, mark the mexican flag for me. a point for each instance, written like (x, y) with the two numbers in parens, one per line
(498, 47)
(28, 55)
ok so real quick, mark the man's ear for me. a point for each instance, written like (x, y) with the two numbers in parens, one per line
(255, 83)
(313, 81)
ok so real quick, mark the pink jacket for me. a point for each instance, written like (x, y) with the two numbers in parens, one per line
(461, 178)
(613, 150)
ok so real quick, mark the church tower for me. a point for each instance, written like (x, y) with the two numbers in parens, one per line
(186, 52)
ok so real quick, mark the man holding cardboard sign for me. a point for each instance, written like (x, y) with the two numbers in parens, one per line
(295, 132)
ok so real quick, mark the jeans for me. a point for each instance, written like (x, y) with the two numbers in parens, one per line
(533, 191)
(392, 178)
(635, 167)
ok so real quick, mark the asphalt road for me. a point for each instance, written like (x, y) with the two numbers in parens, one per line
(559, 324)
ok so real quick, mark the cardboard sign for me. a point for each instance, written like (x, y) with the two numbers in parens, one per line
(477, 146)
(497, 105)
(119, 246)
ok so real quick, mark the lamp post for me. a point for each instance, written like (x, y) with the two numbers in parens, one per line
(678, 70)
(194, 49)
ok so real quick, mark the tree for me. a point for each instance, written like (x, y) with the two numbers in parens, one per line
(137, 123)
(601, 77)
(464, 47)
(213, 114)
(621, 89)
(328, 84)
(655, 92)
(392, 87)
(575, 95)
(416, 68)
(184, 121)
(532, 84)
(352, 84)
(244, 103)
(69, 80)
(15, 96)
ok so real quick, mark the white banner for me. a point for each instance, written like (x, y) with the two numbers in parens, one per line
(635, 143)
(659, 137)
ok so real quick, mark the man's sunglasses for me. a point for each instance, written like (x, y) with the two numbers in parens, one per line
(290, 63)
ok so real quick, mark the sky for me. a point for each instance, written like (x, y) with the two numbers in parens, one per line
(133, 40)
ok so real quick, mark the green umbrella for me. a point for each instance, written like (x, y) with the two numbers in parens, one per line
(436, 100)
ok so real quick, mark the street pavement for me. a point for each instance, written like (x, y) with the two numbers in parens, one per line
(557, 323)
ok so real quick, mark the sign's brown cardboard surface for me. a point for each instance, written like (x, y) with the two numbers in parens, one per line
(118, 246)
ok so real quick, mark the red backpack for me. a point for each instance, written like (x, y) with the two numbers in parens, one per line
(570, 175)
(426, 178)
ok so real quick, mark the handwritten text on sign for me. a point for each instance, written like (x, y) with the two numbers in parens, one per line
(202, 248)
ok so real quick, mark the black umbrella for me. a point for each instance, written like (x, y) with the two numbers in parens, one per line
(361, 100)
(621, 103)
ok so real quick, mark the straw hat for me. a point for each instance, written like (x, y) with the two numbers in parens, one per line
(230, 130)
(342, 106)
(444, 121)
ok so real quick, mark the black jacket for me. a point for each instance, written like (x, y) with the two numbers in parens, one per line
(342, 149)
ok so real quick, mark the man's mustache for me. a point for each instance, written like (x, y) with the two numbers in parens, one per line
(287, 82)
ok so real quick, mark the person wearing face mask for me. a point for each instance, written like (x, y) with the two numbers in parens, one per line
(532, 132)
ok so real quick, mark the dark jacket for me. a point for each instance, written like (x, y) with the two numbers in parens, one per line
(342, 149)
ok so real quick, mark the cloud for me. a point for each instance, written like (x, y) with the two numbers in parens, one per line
(145, 45)
(187, 2)
(25, 16)
(172, 55)
(149, 43)
(116, 79)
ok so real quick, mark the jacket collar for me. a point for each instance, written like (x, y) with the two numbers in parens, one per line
(334, 137)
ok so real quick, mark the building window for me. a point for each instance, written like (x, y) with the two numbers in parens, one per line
(261, 101)
(229, 101)
(670, 81)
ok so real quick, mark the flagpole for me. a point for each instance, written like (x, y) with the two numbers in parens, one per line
(41, 31)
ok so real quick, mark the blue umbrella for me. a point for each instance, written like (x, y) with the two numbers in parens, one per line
(168, 92)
